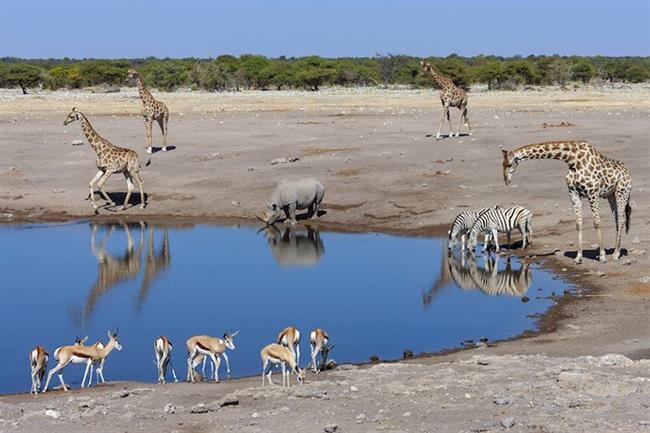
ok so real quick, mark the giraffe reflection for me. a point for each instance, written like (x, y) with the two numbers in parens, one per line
(466, 273)
(293, 247)
(114, 269)
(155, 263)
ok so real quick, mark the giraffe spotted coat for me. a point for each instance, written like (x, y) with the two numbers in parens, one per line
(591, 175)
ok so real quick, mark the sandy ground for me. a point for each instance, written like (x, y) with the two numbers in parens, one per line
(383, 171)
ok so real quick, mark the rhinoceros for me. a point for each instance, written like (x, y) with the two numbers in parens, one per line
(290, 195)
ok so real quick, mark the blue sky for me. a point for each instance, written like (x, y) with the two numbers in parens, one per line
(332, 29)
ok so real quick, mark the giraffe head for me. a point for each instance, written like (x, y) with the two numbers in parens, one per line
(132, 74)
(425, 65)
(510, 163)
(72, 117)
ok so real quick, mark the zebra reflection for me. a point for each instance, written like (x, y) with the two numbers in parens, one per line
(468, 275)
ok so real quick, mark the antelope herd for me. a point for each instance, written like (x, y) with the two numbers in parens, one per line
(285, 353)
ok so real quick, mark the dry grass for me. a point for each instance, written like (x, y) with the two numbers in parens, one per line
(314, 151)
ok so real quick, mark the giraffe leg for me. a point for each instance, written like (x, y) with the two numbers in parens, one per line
(577, 208)
(129, 189)
(445, 111)
(620, 201)
(163, 128)
(91, 195)
(148, 124)
(460, 120)
(138, 179)
(469, 126)
(100, 185)
(593, 203)
(451, 128)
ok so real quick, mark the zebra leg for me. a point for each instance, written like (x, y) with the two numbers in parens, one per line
(496, 240)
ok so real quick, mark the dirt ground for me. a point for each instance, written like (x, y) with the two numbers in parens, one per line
(383, 171)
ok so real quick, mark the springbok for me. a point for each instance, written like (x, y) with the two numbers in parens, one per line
(211, 347)
(162, 347)
(319, 343)
(275, 354)
(290, 337)
(83, 354)
(38, 358)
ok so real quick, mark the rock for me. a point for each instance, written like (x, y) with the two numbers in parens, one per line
(645, 279)
(508, 422)
(406, 414)
(638, 252)
(331, 428)
(502, 401)
(349, 367)
(354, 388)
(76, 142)
(284, 160)
(6, 216)
(199, 408)
(468, 395)
(53, 413)
(228, 400)
(255, 415)
(361, 418)
(120, 394)
(601, 273)
(636, 240)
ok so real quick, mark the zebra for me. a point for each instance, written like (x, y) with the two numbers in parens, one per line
(461, 226)
(500, 219)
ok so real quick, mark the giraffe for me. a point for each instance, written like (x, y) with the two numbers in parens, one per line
(151, 110)
(450, 96)
(110, 159)
(591, 175)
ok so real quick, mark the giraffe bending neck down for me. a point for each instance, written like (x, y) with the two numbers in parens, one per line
(110, 159)
(152, 110)
(591, 175)
(450, 96)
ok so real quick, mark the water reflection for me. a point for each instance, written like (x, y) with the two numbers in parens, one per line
(155, 264)
(294, 247)
(467, 274)
(114, 269)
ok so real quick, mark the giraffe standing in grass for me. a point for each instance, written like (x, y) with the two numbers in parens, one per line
(591, 175)
(110, 159)
(151, 110)
(450, 96)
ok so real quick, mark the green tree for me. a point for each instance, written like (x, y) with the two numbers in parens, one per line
(21, 74)
(491, 73)
(558, 71)
(313, 71)
(582, 71)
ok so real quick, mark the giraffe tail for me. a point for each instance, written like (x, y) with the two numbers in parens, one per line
(148, 162)
(628, 215)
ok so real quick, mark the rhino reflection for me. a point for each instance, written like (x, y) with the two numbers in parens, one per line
(293, 247)
(468, 275)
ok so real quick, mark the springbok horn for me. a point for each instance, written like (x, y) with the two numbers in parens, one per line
(234, 333)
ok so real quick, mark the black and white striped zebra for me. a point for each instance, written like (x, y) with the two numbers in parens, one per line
(500, 219)
(461, 226)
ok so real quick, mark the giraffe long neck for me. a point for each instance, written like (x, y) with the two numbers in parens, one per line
(92, 136)
(440, 80)
(554, 150)
(145, 95)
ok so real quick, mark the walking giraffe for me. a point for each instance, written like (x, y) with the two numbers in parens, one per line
(591, 175)
(152, 109)
(110, 159)
(450, 96)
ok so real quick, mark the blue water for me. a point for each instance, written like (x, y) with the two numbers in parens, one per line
(375, 294)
